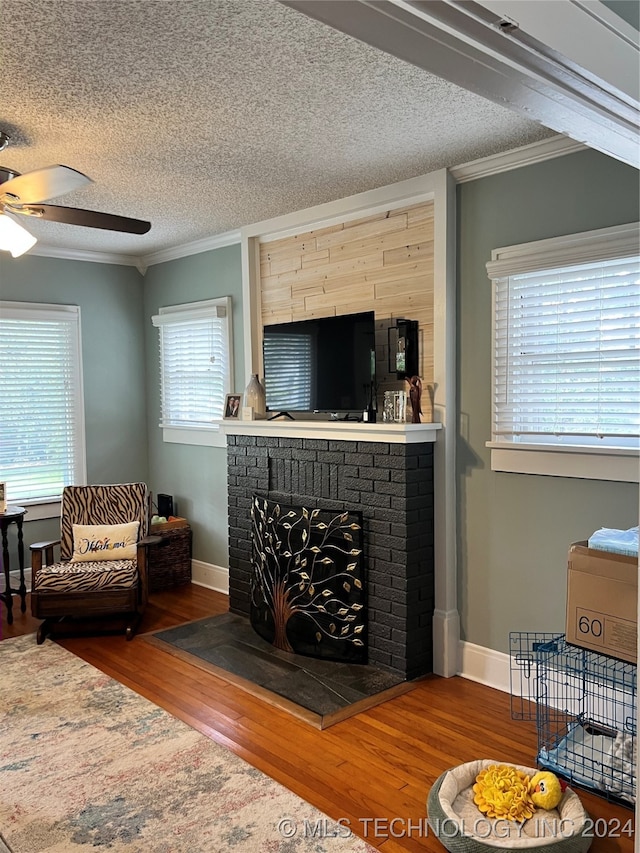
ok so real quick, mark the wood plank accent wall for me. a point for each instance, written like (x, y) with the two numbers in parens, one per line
(382, 263)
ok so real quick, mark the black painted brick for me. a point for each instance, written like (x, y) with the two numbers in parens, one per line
(396, 466)
(381, 659)
(348, 470)
(245, 440)
(240, 550)
(379, 630)
(356, 484)
(333, 457)
(378, 448)
(397, 623)
(317, 444)
(391, 542)
(349, 446)
(237, 534)
(291, 442)
(379, 576)
(389, 646)
(381, 606)
(395, 489)
(281, 453)
(378, 554)
(361, 459)
(236, 451)
(416, 476)
(394, 516)
(236, 491)
(383, 527)
(374, 473)
(306, 455)
(377, 500)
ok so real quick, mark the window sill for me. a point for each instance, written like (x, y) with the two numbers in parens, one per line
(38, 511)
(211, 436)
(587, 463)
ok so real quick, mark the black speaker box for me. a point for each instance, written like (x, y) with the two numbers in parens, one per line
(165, 505)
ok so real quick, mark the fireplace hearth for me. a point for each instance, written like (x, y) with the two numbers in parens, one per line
(390, 485)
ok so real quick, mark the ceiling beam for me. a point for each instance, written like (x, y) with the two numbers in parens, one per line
(552, 71)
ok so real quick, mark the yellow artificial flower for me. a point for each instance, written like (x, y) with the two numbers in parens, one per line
(501, 791)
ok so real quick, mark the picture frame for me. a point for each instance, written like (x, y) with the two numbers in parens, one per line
(3, 497)
(232, 407)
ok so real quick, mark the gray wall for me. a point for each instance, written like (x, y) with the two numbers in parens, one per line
(111, 308)
(514, 530)
(627, 10)
(195, 476)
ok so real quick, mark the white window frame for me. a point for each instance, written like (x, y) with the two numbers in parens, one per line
(211, 434)
(565, 458)
(49, 507)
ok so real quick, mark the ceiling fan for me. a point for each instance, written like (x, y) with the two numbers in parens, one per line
(24, 194)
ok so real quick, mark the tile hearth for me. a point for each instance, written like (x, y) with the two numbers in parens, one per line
(318, 691)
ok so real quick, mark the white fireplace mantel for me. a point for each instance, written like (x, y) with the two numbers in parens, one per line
(393, 433)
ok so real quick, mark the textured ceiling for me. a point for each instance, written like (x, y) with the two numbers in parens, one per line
(205, 115)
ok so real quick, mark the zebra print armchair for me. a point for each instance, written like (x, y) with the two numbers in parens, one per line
(102, 570)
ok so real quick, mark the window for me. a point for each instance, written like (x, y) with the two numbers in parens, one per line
(42, 414)
(566, 355)
(195, 369)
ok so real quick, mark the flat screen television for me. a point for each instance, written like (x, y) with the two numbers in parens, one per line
(326, 364)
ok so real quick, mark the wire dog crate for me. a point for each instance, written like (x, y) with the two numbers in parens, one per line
(584, 706)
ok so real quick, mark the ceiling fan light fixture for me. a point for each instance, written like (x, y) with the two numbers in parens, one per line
(14, 238)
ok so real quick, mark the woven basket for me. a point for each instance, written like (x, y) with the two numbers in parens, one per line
(170, 562)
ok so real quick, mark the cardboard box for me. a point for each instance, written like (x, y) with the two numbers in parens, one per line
(602, 602)
(169, 525)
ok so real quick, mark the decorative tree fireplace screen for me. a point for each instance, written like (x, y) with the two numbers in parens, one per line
(307, 585)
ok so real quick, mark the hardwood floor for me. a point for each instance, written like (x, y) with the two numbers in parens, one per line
(374, 770)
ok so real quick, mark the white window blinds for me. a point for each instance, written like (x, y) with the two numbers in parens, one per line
(195, 362)
(41, 416)
(567, 354)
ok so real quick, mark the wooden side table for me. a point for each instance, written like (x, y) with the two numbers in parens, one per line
(13, 514)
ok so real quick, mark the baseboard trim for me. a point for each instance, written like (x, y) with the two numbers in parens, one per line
(15, 578)
(486, 666)
(210, 576)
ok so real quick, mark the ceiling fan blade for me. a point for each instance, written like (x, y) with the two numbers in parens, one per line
(88, 218)
(44, 183)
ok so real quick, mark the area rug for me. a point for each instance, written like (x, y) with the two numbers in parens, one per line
(87, 764)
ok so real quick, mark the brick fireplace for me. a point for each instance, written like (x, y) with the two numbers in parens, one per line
(385, 473)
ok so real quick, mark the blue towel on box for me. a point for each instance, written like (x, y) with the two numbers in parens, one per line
(617, 541)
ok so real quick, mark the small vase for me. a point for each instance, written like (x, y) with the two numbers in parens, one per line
(255, 397)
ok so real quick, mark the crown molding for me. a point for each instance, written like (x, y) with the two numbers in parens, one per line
(218, 241)
(516, 158)
(142, 263)
(44, 251)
